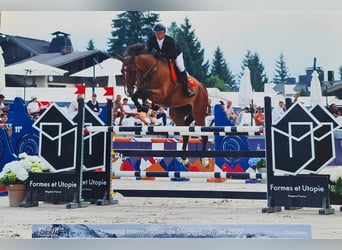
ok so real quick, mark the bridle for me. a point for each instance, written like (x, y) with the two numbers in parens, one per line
(138, 83)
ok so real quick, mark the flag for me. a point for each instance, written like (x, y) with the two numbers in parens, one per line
(81, 89)
(109, 91)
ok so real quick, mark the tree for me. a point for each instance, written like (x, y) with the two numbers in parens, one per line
(340, 72)
(214, 81)
(258, 76)
(220, 69)
(173, 30)
(281, 70)
(193, 54)
(129, 28)
(90, 45)
(304, 92)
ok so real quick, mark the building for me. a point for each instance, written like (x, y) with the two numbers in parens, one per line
(58, 53)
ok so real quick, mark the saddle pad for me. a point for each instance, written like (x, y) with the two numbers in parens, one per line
(192, 82)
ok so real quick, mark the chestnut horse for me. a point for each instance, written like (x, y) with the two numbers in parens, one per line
(148, 76)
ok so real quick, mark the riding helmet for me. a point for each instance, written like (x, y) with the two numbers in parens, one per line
(159, 28)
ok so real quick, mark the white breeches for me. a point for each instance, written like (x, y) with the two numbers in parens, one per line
(180, 62)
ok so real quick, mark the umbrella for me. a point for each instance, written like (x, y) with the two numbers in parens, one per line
(315, 90)
(2, 71)
(33, 68)
(108, 67)
(245, 91)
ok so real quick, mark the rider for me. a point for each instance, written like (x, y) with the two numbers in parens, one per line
(166, 46)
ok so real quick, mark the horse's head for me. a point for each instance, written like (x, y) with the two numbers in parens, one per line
(128, 71)
(129, 68)
(135, 70)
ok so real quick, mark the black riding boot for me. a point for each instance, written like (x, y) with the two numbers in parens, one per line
(184, 80)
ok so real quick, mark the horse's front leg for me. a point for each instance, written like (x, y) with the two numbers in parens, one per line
(135, 98)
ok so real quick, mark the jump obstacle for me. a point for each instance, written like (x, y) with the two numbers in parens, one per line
(291, 198)
(274, 203)
(83, 181)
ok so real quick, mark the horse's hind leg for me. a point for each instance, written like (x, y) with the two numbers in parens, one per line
(188, 120)
(204, 143)
(199, 116)
(180, 119)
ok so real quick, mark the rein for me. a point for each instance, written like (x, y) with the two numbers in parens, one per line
(142, 81)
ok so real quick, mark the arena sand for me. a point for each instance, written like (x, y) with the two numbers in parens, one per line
(16, 222)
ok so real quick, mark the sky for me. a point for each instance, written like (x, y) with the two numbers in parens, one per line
(301, 35)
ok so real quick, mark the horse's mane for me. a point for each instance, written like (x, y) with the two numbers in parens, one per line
(136, 49)
(141, 49)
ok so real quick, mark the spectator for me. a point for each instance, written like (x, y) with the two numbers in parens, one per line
(3, 107)
(278, 111)
(245, 117)
(147, 115)
(118, 110)
(259, 117)
(93, 104)
(230, 111)
(3, 119)
(129, 112)
(161, 113)
(334, 110)
(4, 124)
(127, 109)
(73, 107)
(296, 97)
(210, 114)
(33, 108)
(209, 108)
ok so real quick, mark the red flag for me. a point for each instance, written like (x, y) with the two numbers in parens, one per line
(109, 91)
(81, 89)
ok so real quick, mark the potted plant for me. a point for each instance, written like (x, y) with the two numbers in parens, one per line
(335, 185)
(259, 164)
(15, 174)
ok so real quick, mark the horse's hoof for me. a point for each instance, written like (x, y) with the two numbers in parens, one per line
(205, 162)
(186, 162)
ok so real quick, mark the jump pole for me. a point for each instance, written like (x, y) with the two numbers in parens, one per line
(78, 201)
(189, 174)
(177, 130)
(197, 153)
(193, 194)
(108, 199)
